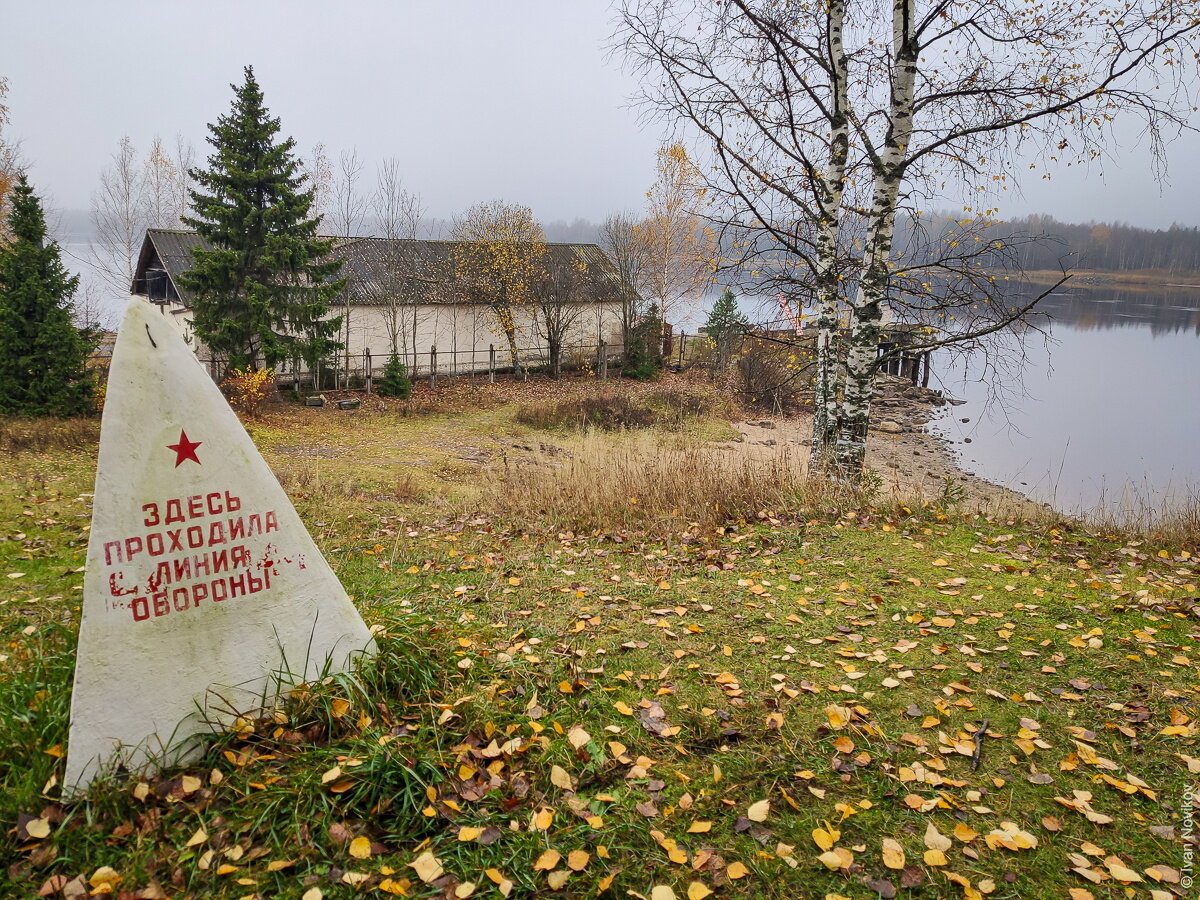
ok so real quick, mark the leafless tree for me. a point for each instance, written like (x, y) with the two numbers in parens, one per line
(398, 211)
(564, 290)
(90, 312)
(119, 215)
(319, 171)
(10, 161)
(625, 245)
(349, 207)
(184, 160)
(347, 216)
(401, 270)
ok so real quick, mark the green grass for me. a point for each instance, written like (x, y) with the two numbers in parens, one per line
(837, 665)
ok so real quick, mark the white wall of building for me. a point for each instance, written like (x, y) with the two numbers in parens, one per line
(462, 334)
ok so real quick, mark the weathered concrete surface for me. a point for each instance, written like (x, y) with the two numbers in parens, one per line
(204, 594)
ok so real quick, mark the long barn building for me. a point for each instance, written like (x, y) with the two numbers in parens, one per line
(403, 295)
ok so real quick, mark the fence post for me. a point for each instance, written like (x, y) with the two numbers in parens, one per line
(928, 355)
(433, 367)
(603, 360)
(296, 376)
(682, 341)
(491, 363)
(367, 366)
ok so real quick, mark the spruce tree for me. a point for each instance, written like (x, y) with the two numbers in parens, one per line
(725, 322)
(395, 381)
(262, 293)
(43, 356)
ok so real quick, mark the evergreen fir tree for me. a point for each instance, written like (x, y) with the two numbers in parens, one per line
(724, 317)
(725, 322)
(395, 381)
(43, 355)
(262, 293)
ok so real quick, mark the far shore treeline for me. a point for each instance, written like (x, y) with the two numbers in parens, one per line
(1107, 246)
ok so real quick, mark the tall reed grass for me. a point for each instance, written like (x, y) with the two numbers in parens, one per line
(641, 482)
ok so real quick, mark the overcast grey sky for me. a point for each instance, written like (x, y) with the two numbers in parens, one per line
(509, 99)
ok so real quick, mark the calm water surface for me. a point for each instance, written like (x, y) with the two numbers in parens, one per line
(1109, 414)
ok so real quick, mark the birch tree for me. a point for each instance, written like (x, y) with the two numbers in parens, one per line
(184, 161)
(924, 95)
(499, 257)
(135, 194)
(160, 188)
(119, 214)
(768, 91)
(679, 246)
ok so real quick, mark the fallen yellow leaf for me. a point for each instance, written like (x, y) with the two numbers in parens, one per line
(758, 811)
(427, 867)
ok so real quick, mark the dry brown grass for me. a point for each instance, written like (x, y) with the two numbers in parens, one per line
(649, 485)
(41, 435)
(306, 482)
(1178, 524)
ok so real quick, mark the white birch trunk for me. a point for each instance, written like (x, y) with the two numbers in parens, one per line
(825, 383)
(867, 310)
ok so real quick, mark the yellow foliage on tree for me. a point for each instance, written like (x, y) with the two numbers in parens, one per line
(680, 248)
(499, 258)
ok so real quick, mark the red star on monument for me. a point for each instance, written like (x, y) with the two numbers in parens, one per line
(185, 449)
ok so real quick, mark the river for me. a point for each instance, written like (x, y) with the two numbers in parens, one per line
(1107, 413)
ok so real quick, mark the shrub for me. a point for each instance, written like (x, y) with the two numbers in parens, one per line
(248, 389)
(608, 412)
(395, 381)
(772, 377)
(670, 406)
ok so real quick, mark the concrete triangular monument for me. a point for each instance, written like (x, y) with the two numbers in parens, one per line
(204, 594)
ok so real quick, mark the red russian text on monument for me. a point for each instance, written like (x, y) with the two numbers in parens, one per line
(194, 537)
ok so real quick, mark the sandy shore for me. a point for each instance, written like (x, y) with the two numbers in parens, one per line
(912, 461)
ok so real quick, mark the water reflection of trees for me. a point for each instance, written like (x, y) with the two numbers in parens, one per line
(1096, 308)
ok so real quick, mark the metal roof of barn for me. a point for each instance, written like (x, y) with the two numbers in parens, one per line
(369, 264)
